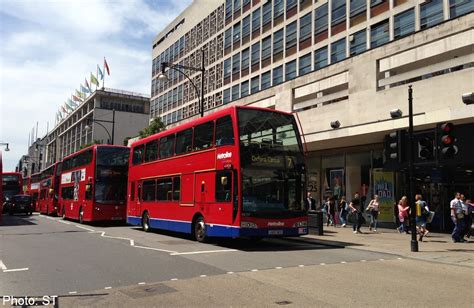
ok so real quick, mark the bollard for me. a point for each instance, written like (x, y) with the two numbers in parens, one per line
(315, 221)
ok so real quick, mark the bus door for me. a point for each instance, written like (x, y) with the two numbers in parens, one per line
(203, 188)
(223, 209)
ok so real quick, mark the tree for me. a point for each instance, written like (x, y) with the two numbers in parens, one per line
(125, 141)
(154, 127)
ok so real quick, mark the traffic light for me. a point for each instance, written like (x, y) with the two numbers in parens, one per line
(447, 148)
(425, 148)
(393, 147)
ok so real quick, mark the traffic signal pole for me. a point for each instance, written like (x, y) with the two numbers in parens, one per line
(411, 178)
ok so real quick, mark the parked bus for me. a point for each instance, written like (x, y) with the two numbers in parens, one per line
(34, 189)
(1, 186)
(49, 190)
(236, 173)
(93, 184)
(12, 183)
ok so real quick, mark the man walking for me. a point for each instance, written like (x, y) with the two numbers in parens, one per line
(310, 203)
(457, 216)
(356, 208)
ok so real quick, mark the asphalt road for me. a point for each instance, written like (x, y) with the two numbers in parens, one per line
(43, 255)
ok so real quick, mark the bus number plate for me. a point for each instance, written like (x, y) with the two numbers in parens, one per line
(275, 232)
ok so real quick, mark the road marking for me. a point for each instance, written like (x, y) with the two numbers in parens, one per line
(278, 267)
(108, 288)
(202, 276)
(2, 266)
(156, 249)
(64, 222)
(363, 260)
(343, 262)
(73, 292)
(174, 279)
(301, 265)
(382, 259)
(322, 263)
(15, 270)
(399, 258)
(230, 273)
(85, 228)
(254, 270)
(142, 283)
(200, 252)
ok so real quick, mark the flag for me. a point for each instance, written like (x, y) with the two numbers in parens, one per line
(106, 67)
(60, 114)
(80, 94)
(84, 89)
(64, 109)
(68, 106)
(94, 80)
(73, 104)
(87, 86)
(99, 73)
(76, 99)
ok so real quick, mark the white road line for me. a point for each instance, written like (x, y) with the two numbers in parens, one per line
(343, 262)
(2, 266)
(174, 279)
(254, 270)
(156, 249)
(85, 228)
(278, 267)
(399, 258)
(107, 288)
(363, 260)
(230, 273)
(64, 222)
(322, 263)
(16, 270)
(202, 276)
(301, 265)
(200, 252)
(73, 292)
(382, 259)
(142, 283)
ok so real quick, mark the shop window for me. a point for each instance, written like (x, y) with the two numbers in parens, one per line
(305, 27)
(404, 23)
(266, 80)
(255, 84)
(305, 64)
(431, 13)
(291, 35)
(338, 50)
(338, 11)
(358, 42)
(290, 70)
(278, 75)
(379, 34)
(321, 19)
(460, 7)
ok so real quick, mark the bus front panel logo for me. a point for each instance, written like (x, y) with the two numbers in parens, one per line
(224, 155)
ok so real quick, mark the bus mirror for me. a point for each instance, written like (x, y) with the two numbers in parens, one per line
(51, 191)
(223, 180)
(88, 187)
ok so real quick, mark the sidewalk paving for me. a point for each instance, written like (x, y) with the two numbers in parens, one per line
(436, 247)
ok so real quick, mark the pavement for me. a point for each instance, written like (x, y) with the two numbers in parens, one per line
(436, 247)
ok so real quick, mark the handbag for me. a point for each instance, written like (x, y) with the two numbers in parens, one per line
(460, 215)
(430, 216)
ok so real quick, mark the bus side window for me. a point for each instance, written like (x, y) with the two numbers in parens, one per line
(203, 136)
(139, 195)
(88, 191)
(224, 186)
(176, 188)
(138, 154)
(132, 191)
(224, 131)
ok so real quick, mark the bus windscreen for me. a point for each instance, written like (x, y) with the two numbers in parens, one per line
(111, 175)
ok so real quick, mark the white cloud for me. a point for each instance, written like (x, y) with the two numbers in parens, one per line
(49, 47)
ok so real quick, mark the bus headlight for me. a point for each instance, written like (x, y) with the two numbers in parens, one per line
(251, 225)
(300, 224)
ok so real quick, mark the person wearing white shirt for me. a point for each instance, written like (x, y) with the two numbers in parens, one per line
(457, 216)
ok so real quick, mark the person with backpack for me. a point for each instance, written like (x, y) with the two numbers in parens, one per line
(343, 211)
(373, 209)
(422, 212)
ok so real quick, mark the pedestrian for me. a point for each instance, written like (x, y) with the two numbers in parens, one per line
(457, 216)
(403, 210)
(310, 203)
(470, 208)
(343, 211)
(356, 208)
(373, 209)
(332, 212)
(422, 212)
(467, 216)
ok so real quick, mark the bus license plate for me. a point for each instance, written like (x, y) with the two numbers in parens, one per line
(275, 232)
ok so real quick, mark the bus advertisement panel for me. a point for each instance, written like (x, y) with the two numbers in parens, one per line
(93, 184)
(236, 173)
(49, 190)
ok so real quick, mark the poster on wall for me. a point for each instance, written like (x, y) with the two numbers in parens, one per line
(336, 180)
(384, 187)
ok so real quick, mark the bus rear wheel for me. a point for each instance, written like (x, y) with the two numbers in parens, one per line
(146, 222)
(200, 230)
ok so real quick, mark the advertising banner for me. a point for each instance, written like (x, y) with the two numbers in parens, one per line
(384, 187)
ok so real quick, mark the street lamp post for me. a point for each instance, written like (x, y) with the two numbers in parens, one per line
(411, 178)
(111, 137)
(6, 146)
(179, 68)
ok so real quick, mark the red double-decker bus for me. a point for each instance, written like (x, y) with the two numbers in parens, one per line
(93, 184)
(34, 189)
(12, 184)
(49, 190)
(236, 173)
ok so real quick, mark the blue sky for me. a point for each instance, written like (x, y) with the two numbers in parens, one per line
(50, 46)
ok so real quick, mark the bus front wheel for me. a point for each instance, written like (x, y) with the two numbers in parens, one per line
(200, 230)
(146, 222)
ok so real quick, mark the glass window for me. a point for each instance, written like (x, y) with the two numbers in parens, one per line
(151, 151)
(245, 58)
(357, 7)
(266, 80)
(149, 191)
(138, 152)
(184, 141)
(278, 75)
(321, 19)
(236, 5)
(305, 27)
(236, 33)
(404, 23)
(166, 146)
(246, 26)
(227, 68)
(228, 8)
(278, 8)
(431, 13)
(379, 34)
(460, 7)
(203, 136)
(176, 188)
(290, 70)
(226, 96)
(278, 41)
(338, 11)
(266, 47)
(256, 20)
(321, 58)
(358, 42)
(338, 50)
(224, 131)
(235, 92)
(245, 2)
(267, 13)
(228, 38)
(255, 84)
(291, 35)
(236, 63)
(256, 53)
(305, 64)
(290, 4)
(163, 189)
(375, 2)
(244, 88)
(224, 186)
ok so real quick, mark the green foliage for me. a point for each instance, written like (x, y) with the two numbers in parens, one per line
(155, 126)
(125, 141)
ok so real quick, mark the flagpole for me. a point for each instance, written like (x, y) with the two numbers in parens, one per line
(97, 75)
(103, 72)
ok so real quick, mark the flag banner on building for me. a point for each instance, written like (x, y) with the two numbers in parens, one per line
(94, 80)
(88, 86)
(99, 73)
(64, 110)
(384, 187)
(106, 67)
(74, 104)
(84, 89)
(68, 107)
(80, 95)
(76, 99)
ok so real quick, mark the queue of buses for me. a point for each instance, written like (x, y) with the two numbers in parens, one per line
(238, 172)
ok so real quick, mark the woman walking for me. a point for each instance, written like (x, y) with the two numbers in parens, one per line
(422, 211)
(373, 208)
(343, 211)
(331, 215)
(403, 210)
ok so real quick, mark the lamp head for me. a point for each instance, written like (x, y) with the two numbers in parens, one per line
(396, 113)
(7, 148)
